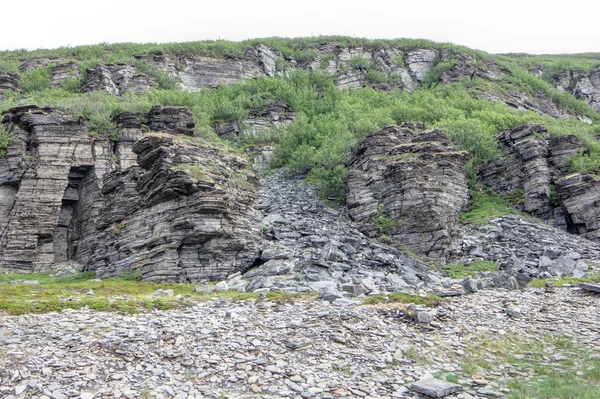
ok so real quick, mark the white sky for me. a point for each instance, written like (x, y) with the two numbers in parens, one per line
(530, 26)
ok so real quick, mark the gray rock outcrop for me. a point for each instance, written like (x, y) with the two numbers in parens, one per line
(467, 66)
(579, 195)
(42, 62)
(276, 115)
(171, 120)
(408, 183)
(42, 172)
(116, 79)
(8, 81)
(182, 210)
(584, 86)
(538, 164)
(63, 71)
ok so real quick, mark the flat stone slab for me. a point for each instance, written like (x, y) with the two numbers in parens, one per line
(435, 388)
(590, 287)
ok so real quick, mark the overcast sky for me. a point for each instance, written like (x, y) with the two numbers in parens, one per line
(493, 26)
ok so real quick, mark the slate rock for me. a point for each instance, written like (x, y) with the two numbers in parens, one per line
(435, 388)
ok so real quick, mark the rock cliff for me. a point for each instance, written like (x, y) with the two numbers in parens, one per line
(584, 86)
(181, 210)
(116, 79)
(409, 184)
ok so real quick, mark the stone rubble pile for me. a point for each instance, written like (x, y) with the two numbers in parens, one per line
(529, 247)
(311, 247)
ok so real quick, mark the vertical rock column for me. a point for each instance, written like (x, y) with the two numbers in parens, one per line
(55, 144)
(415, 181)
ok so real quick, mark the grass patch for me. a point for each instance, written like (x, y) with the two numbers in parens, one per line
(576, 374)
(123, 294)
(457, 271)
(560, 282)
(484, 206)
(401, 297)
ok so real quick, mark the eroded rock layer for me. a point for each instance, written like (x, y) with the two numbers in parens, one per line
(408, 183)
(8, 81)
(165, 204)
(537, 164)
(116, 79)
(51, 147)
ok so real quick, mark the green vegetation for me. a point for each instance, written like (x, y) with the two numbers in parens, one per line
(401, 297)
(329, 121)
(561, 281)
(127, 293)
(5, 139)
(484, 205)
(458, 271)
(575, 373)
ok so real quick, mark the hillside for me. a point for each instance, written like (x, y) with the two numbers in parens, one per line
(324, 217)
(523, 131)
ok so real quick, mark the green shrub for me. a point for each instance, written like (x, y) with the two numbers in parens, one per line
(37, 79)
(165, 80)
(102, 125)
(458, 271)
(5, 139)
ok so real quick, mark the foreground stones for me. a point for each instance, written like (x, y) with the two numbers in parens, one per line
(296, 350)
(168, 205)
(409, 184)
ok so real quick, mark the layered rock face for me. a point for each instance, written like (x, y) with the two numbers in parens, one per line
(172, 207)
(408, 183)
(8, 81)
(63, 71)
(185, 214)
(116, 79)
(276, 114)
(467, 66)
(41, 173)
(348, 63)
(584, 86)
(580, 196)
(536, 164)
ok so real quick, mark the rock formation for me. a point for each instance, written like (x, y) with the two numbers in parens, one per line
(182, 211)
(580, 196)
(116, 79)
(8, 81)
(536, 164)
(276, 114)
(584, 86)
(63, 71)
(408, 183)
(466, 66)
(177, 120)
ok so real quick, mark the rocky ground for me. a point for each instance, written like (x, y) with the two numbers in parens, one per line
(305, 349)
